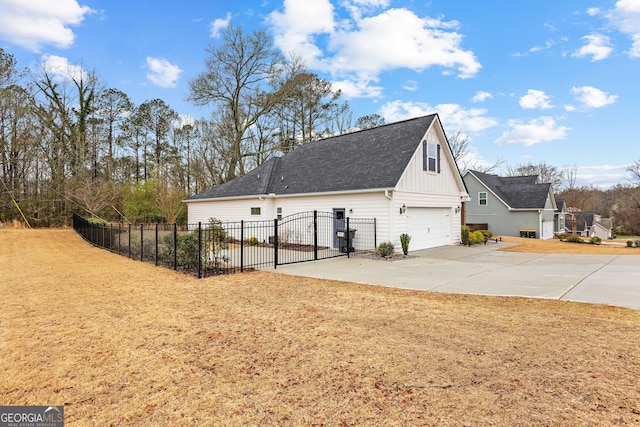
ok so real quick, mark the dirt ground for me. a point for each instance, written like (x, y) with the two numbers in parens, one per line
(120, 342)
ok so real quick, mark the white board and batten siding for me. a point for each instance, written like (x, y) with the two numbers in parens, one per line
(432, 199)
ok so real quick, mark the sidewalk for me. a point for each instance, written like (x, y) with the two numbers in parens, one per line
(483, 270)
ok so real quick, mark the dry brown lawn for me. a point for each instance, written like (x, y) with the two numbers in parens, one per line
(120, 342)
(610, 247)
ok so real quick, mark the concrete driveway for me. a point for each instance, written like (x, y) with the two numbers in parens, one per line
(483, 270)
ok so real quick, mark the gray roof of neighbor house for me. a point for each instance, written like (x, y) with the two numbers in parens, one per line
(367, 159)
(518, 192)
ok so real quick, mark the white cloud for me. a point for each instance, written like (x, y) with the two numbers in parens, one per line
(593, 11)
(410, 85)
(453, 116)
(34, 24)
(569, 107)
(366, 43)
(592, 97)
(481, 96)
(535, 99)
(162, 73)
(62, 69)
(220, 24)
(626, 18)
(598, 46)
(533, 132)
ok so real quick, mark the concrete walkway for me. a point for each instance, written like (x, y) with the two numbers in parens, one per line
(483, 270)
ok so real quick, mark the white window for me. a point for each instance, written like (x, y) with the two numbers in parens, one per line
(255, 211)
(431, 156)
(279, 211)
(482, 198)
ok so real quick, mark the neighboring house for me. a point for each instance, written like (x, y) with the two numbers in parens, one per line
(590, 224)
(403, 174)
(511, 206)
(559, 218)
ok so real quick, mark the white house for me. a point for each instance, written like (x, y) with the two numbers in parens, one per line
(403, 174)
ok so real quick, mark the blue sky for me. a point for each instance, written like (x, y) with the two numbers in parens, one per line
(553, 81)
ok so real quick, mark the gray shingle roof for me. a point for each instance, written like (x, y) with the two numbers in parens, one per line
(368, 159)
(518, 192)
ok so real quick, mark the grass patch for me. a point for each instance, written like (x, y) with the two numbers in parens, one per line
(120, 342)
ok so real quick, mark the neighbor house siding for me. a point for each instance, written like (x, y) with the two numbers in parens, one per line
(496, 214)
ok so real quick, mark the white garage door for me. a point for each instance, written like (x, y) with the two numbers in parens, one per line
(547, 229)
(428, 227)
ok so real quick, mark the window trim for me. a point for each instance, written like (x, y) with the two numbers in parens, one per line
(485, 198)
(256, 211)
(427, 157)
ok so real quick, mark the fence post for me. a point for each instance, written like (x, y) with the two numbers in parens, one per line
(375, 234)
(275, 243)
(129, 241)
(315, 235)
(141, 241)
(175, 246)
(200, 250)
(241, 245)
(348, 239)
(119, 237)
(156, 243)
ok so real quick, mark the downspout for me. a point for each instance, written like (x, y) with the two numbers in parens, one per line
(390, 198)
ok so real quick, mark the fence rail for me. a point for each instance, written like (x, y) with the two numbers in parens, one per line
(220, 247)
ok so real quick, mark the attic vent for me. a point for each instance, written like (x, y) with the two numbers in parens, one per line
(282, 178)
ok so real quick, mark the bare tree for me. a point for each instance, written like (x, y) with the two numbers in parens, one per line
(236, 82)
(461, 150)
(369, 121)
(545, 172)
(634, 169)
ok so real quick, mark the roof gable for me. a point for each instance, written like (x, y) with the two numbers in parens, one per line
(367, 159)
(517, 192)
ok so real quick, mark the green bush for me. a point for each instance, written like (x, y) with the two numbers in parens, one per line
(629, 243)
(575, 239)
(253, 241)
(478, 236)
(487, 234)
(637, 243)
(404, 240)
(561, 236)
(596, 240)
(385, 249)
(464, 235)
(97, 221)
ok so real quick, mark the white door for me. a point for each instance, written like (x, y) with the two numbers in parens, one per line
(547, 230)
(428, 227)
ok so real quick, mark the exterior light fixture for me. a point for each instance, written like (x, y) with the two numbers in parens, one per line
(403, 209)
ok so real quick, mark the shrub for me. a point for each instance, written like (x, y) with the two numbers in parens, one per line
(629, 243)
(487, 234)
(97, 221)
(465, 235)
(253, 241)
(637, 243)
(561, 236)
(596, 240)
(404, 240)
(478, 236)
(575, 239)
(385, 249)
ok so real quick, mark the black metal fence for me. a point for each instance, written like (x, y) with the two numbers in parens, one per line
(219, 247)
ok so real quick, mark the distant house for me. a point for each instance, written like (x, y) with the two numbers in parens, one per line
(559, 218)
(590, 224)
(511, 206)
(402, 174)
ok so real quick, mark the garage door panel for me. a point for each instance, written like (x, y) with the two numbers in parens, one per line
(429, 227)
